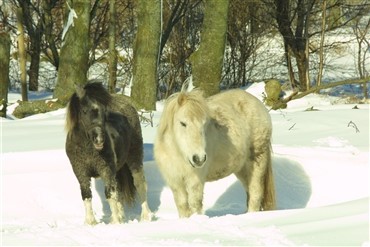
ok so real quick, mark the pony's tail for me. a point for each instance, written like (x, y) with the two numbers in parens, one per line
(269, 198)
(126, 185)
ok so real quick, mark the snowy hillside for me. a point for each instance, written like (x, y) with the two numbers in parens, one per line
(321, 168)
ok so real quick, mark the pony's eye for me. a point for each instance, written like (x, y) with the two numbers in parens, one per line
(183, 124)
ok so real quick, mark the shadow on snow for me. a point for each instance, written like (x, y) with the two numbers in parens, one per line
(293, 189)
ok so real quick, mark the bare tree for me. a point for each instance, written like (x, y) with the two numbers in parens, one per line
(321, 55)
(361, 30)
(207, 61)
(146, 54)
(74, 54)
(177, 9)
(4, 63)
(182, 20)
(112, 60)
(245, 28)
(51, 16)
(22, 56)
(293, 24)
(34, 28)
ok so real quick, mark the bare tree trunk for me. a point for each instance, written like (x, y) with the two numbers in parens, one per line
(207, 61)
(307, 66)
(22, 56)
(4, 68)
(306, 14)
(34, 30)
(301, 59)
(146, 54)
(112, 68)
(53, 55)
(361, 57)
(290, 66)
(34, 51)
(38, 21)
(321, 54)
(296, 40)
(74, 53)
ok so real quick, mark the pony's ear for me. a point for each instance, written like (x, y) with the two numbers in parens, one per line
(80, 91)
(181, 98)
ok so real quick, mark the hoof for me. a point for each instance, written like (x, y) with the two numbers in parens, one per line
(115, 221)
(91, 222)
(146, 216)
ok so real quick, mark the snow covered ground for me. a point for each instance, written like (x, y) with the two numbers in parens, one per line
(321, 168)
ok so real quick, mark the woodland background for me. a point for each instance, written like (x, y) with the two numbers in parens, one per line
(152, 47)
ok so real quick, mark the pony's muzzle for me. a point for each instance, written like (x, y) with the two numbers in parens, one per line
(198, 161)
(97, 136)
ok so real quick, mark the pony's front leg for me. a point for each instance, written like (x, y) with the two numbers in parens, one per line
(142, 188)
(89, 213)
(181, 199)
(195, 196)
(86, 197)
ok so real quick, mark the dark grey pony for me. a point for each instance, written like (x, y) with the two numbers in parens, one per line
(104, 140)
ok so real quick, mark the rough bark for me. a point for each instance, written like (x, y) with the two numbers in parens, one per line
(74, 53)
(146, 50)
(35, 51)
(112, 60)
(288, 59)
(4, 68)
(207, 61)
(22, 57)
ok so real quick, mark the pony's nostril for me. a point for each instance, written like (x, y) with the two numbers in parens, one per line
(197, 160)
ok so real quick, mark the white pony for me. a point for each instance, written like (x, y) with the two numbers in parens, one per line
(200, 140)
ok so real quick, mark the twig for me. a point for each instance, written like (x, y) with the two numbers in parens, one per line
(352, 124)
(146, 120)
(292, 127)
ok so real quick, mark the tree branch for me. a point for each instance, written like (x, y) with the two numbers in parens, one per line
(297, 95)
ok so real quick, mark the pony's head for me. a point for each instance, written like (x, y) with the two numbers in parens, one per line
(186, 116)
(87, 111)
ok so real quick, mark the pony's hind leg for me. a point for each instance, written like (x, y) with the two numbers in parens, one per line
(116, 208)
(260, 183)
(252, 181)
(141, 187)
(112, 195)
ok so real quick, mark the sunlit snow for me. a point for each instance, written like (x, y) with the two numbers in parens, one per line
(320, 163)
